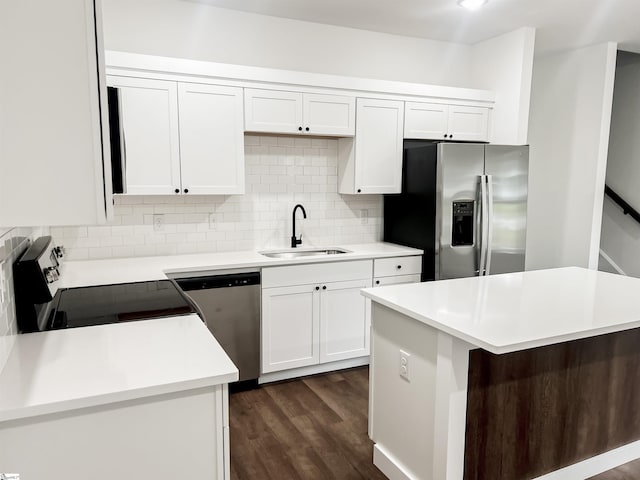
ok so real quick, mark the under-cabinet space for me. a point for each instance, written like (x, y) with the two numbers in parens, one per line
(275, 111)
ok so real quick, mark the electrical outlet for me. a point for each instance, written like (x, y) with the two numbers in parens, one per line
(364, 216)
(158, 222)
(404, 365)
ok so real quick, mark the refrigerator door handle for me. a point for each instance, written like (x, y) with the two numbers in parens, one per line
(483, 225)
(489, 215)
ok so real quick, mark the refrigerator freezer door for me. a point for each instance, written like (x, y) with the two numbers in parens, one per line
(508, 168)
(460, 167)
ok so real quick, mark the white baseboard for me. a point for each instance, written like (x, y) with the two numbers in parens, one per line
(595, 465)
(388, 465)
(312, 370)
(613, 264)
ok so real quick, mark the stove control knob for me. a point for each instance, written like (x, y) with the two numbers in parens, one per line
(59, 251)
(51, 274)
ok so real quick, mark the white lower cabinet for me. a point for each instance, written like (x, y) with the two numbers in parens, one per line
(290, 327)
(319, 317)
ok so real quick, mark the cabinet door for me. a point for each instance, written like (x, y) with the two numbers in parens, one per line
(468, 123)
(344, 321)
(329, 115)
(378, 146)
(54, 137)
(211, 139)
(272, 111)
(290, 332)
(149, 119)
(426, 121)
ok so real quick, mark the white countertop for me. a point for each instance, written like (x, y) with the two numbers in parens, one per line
(81, 367)
(104, 272)
(515, 311)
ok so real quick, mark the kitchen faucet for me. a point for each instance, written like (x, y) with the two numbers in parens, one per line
(295, 241)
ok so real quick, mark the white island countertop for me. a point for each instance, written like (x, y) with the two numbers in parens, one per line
(515, 311)
(74, 368)
(84, 273)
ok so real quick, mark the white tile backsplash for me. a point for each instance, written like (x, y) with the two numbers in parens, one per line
(280, 172)
(12, 243)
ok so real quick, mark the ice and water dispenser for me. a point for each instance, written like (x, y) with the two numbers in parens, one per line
(462, 223)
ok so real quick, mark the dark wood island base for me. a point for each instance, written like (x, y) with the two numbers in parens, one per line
(535, 411)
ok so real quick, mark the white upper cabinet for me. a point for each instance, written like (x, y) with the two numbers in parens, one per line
(372, 162)
(149, 134)
(180, 138)
(211, 139)
(54, 139)
(276, 111)
(434, 121)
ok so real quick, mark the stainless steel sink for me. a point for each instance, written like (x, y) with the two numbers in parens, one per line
(297, 253)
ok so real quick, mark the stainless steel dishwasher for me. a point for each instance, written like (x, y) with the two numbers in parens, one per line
(230, 303)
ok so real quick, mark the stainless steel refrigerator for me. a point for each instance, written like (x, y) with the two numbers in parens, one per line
(464, 204)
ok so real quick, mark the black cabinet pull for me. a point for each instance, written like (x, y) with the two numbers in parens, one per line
(324, 287)
(299, 129)
(186, 190)
(307, 129)
(377, 282)
(359, 190)
(445, 135)
(177, 190)
(317, 288)
(399, 267)
(451, 136)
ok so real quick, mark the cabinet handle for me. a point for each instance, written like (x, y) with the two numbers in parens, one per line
(177, 190)
(450, 135)
(445, 135)
(377, 282)
(186, 190)
(317, 288)
(299, 129)
(359, 190)
(307, 129)
(399, 267)
(324, 287)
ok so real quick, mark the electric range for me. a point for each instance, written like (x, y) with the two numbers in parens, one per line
(41, 305)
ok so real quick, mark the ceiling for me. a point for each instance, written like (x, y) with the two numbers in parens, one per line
(560, 24)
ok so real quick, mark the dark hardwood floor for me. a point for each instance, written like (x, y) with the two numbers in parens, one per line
(628, 471)
(311, 428)
(316, 428)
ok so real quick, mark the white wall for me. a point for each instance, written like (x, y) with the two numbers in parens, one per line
(571, 99)
(504, 64)
(174, 28)
(280, 172)
(620, 238)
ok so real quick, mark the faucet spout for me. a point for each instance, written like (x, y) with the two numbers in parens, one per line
(296, 241)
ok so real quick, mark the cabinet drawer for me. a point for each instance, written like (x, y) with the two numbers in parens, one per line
(396, 280)
(387, 267)
(318, 272)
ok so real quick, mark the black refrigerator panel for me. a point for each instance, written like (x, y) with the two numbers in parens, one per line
(409, 217)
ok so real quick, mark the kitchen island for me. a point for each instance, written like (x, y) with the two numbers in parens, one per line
(514, 376)
(144, 399)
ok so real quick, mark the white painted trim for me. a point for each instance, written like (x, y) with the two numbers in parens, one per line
(119, 62)
(601, 166)
(610, 261)
(313, 370)
(595, 465)
(388, 465)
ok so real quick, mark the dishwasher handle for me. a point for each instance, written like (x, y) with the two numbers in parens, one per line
(219, 281)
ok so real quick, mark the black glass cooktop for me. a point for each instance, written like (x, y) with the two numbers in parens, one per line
(98, 305)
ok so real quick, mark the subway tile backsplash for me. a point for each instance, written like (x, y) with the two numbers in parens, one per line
(280, 172)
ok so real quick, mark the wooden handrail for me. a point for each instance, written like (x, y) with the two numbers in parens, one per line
(626, 208)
